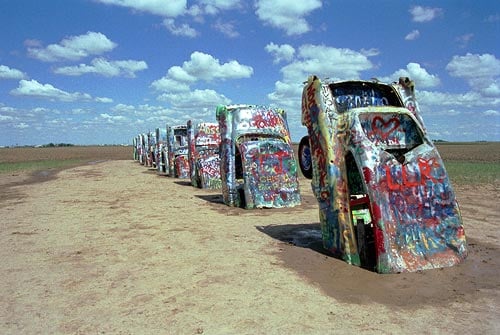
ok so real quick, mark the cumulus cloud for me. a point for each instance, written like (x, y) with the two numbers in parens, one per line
(32, 88)
(413, 35)
(182, 30)
(324, 61)
(8, 73)
(424, 14)
(101, 66)
(480, 71)
(195, 99)
(336, 63)
(474, 66)
(287, 15)
(74, 48)
(213, 7)
(201, 66)
(170, 8)
(422, 78)
(280, 53)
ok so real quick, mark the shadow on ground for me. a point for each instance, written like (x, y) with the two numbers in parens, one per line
(301, 249)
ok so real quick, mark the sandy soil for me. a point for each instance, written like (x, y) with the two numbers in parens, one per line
(114, 248)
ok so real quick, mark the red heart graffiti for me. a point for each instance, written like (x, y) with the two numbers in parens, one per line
(382, 128)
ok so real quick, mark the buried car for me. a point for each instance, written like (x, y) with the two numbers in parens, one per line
(258, 167)
(385, 199)
(161, 152)
(178, 165)
(203, 154)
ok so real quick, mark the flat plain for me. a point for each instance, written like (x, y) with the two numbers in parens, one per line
(105, 245)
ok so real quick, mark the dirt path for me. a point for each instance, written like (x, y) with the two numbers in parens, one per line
(113, 248)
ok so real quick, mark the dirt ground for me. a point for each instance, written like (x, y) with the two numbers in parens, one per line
(112, 248)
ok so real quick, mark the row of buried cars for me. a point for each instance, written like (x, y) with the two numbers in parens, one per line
(385, 200)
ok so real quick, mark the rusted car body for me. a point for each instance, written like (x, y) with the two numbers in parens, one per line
(178, 164)
(385, 199)
(258, 166)
(203, 154)
(161, 150)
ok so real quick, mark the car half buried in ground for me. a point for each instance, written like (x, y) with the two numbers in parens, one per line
(258, 166)
(385, 199)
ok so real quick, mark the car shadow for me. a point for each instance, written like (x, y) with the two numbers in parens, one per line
(212, 198)
(300, 235)
(183, 183)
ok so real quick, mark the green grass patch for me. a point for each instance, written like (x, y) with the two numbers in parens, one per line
(472, 173)
(38, 165)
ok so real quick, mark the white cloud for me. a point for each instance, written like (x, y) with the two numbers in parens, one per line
(413, 35)
(104, 100)
(112, 118)
(370, 52)
(474, 66)
(418, 74)
(21, 125)
(424, 14)
(5, 118)
(122, 108)
(464, 40)
(320, 60)
(74, 48)
(201, 66)
(8, 73)
(284, 52)
(491, 112)
(226, 28)
(182, 30)
(480, 71)
(170, 8)
(101, 66)
(194, 99)
(33, 88)
(324, 61)
(213, 7)
(461, 100)
(287, 15)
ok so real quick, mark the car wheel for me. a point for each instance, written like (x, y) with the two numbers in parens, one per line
(305, 157)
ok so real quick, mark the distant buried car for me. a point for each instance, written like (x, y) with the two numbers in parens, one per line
(161, 151)
(385, 199)
(178, 151)
(258, 166)
(203, 154)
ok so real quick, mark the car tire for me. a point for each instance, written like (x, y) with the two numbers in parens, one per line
(305, 157)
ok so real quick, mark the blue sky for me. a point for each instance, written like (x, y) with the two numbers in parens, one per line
(102, 71)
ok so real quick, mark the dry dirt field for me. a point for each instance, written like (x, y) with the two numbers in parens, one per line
(110, 247)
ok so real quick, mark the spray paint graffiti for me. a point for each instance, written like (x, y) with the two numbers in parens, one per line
(258, 167)
(161, 152)
(385, 199)
(204, 161)
(178, 163)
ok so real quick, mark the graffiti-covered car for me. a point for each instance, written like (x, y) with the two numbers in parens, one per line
(203, 154)
(161, 150)
(151, 148)
(135, 147)
(258, 166)
(178, 164)
(385, 199)
(142, 148)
